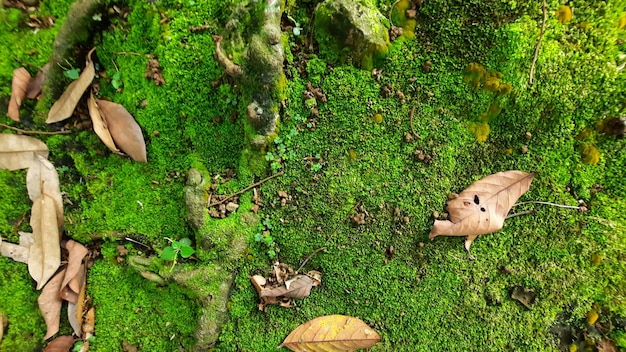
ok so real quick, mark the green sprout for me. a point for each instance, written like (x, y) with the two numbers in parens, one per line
(72, 73)
(182, 247)
(116, 80)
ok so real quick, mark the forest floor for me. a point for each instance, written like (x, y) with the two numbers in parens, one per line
(357, 180)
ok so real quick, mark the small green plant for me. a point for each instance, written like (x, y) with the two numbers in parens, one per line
(264, 236)
(73, 73)
(182, 247)
(116, 80)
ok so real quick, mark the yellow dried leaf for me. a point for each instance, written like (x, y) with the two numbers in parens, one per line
(483, 206)
(124, 129)
(64, 107)
(16, 152)
(21, 77)
(337, 333)
(100, 125)
(45, 252)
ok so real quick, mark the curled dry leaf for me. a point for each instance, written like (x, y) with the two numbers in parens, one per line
(60, 344)
(281, 288)
(33, 90)
(50, 304)
(14, 251)
(75, 310)
(100, 125)
(74, 276)
(124, 129)
(64, 107)
(45, 252)
(337, 333)
(42, 178)
(21, 77)
(483, 206)
(16, 151)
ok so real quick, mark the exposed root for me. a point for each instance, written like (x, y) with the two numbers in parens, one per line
(230, 67)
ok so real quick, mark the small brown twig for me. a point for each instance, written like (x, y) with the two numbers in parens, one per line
(131, 53)
(33, 132)
(310, 256)
(411, 122)
(247, 188)
(543, 30)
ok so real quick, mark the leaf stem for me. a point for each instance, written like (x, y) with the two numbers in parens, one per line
(548, 203)
(33, 132)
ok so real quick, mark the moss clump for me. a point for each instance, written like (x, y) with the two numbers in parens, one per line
(399, 18)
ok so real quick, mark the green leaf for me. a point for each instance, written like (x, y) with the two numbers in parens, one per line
(72, 74)
(271, 253)
(169, 253)
(185, 242)
(186, 251)
(175, 244)
(116, 76)
(78, 346)
(116, 84)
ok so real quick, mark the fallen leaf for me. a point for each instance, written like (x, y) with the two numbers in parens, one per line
(74, 277)
(124, 129)
(42, 178)
(100, 125)
(3, 323)
(335, 333)
(483, 206)
(26, 239)
(16, 151)
(64, 107)
(60, 344)
(36, 84)
(50, 304)
(75, 310)
(21, 77)
(89, 323)
(14, 251)
(524, 296)
(45, 252)
(299, 287)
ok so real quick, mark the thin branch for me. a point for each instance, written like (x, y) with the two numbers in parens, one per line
(411, 122)
(543, 30)
(310, 256)
(247, 188)
(131, 53)
(33, 132)
(550, 204)
(532, 211)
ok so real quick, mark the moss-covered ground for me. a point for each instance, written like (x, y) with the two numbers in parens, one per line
(428, 295)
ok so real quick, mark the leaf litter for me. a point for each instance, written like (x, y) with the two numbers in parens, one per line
(19, 86)
(283, 285)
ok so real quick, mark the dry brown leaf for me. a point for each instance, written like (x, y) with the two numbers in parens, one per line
(60, 344)
(14, 251)
(34, 86)
(124, 129)
(50, 304)
(26, 239)
(42, 178)
(74, 277)
(45, 252)
(64, 107)
(299, 287)
(483, 206)
(100, 125)
(4, 321)
(16, 152)
(89, 323)
(75, 311)
(21, 77)
(337, 333)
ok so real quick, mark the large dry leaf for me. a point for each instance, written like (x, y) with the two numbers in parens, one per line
(64, 107)
(50, 304)
(298, 287)
(45, 252)
(42, 178)
(21, 77)
(16, 152)
(3, 323)
(337, 333)
(74, 276)
(60, 344)
(483, 206)
(100, 125)
(124, 129)
(36, 84)
(14, 251)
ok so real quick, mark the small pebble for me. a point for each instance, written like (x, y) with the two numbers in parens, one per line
(524, 149)
(528, 135)
(231, 207)
(426, 66)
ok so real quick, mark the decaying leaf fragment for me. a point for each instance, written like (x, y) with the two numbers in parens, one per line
(45, 252)
(21, 77)
(75, 273)
(3, 323)
(284, 285)
(16, 152)
(64, 107)
(123, 128)
(60, 344)
(14, 251)
(337, 333)
(33, 90)
(50, 304)
(483, 206)
(100, 125)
